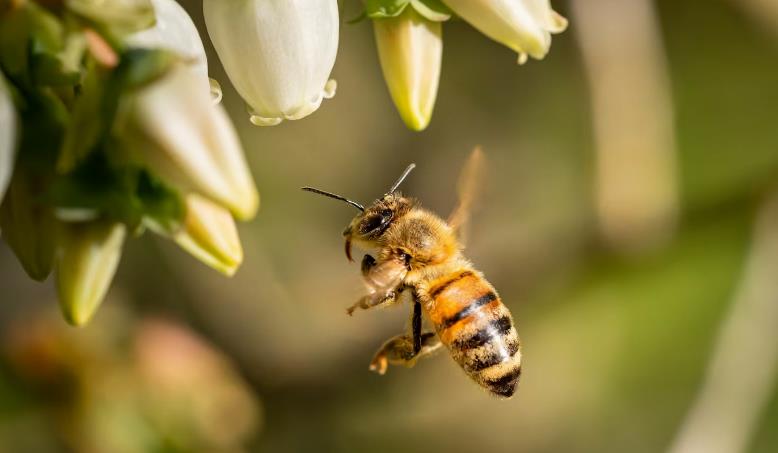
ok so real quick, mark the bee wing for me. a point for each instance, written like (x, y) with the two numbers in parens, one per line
(467, 188)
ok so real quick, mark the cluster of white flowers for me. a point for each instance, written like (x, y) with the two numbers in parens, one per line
(175, 160)
(279, 54)
(135, 107)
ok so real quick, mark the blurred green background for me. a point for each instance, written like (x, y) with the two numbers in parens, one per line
(617, 333)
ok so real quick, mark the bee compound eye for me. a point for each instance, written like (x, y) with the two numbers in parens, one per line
(370, 224)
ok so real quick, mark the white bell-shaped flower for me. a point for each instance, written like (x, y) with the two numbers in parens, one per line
(523, 25)
(8, 124)
(175, 31)
(175, 129)
(277, 53)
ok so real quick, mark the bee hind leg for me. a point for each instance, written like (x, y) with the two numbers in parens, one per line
(400, 350)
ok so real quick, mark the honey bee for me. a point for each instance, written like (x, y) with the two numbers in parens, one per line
(419, 253)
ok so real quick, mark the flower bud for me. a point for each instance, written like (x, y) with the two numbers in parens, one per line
(28, 225)
(209, 234)
(175, 31)
(89, 256)
(278, 54)
(523, 25)
(7, 137)
(174, 128)
(410, 48)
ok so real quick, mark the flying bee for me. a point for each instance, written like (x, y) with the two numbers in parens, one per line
(420, 253)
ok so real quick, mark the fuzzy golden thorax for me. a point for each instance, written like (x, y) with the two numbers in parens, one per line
(398, 225)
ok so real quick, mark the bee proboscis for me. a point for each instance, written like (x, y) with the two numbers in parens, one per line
(419, 253)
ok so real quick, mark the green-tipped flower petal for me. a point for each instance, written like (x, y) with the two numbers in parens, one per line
(410, 48)
(278, 54)
(8, 126)
(190, 142)
(523, 25)
(86, 266)
(210, 235)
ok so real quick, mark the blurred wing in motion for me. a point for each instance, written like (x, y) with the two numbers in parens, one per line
(467, 189)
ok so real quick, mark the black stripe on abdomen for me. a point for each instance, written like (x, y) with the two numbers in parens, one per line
(470, 309)
(448, 283)
(492, 358)
(498, 327)
(504, 385)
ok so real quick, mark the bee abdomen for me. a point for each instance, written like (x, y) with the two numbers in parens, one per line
(478, 329)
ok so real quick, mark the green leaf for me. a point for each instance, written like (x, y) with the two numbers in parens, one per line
(433, 10)
(48, 70)
(95, 109)
(117, 17)
(140, 67)
(26, 219)
(30, 40)
(124, 193)
(162, 207)
(97, 188)
(382, 9)
(90, 121)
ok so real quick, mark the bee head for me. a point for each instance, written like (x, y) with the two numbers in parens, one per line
(372, 222)
(368, 227)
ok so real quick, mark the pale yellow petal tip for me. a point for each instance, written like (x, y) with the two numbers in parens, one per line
(416, 123)
(558, 23)
(330, 88)
(328, 92)
(523, 57)
(223, 261)
(75, 318)
(86, 267)
(247, 208)
(210, 235)
(216, 91)
(258, 120)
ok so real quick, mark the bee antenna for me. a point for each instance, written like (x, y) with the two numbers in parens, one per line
(405, 174)
(337, 197)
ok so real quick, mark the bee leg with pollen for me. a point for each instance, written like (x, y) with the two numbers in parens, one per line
(400, 350)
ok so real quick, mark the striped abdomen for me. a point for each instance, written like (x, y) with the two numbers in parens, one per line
(478, 329)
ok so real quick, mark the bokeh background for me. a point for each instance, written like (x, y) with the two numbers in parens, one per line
(628, 219)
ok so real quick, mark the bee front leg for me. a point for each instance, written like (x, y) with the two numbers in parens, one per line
(400, 350)
(373, 300)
